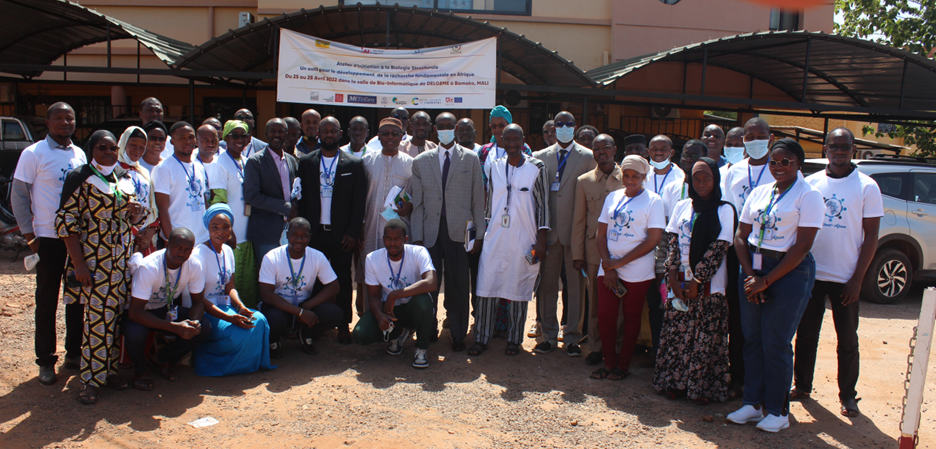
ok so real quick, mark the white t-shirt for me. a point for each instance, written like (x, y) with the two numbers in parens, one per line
(45, 168)
(657, 183)
(329, 164)
(213, 171)
(213, 265)
(737, 184)
(347, 149)
(672, 194)
(141, 185)
(838, 242)
(415, 263)
(800, 207)
(233, 175)
(150, 280)
(723, 175)
(275, 271)
(628, 229)
(681, 223)
(186, 186)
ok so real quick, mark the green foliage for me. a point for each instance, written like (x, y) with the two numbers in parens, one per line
(910, 25)
(731, 115)
(921, 134)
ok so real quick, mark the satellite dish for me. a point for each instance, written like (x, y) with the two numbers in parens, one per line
(512, 97)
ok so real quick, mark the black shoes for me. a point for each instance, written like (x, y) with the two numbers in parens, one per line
(458, 345)
(593, 358)
(573, 350)
(543, 347)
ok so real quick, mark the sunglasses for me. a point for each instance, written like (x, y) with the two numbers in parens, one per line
(782, 162)
(237, 136)
(158, 139)
(840, 147)
(691, 156)
(562, 124)
(105, 147)
(390, 134)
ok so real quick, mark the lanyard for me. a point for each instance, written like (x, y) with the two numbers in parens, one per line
(620, 207)
(395, 279)
(295, 276)
(561, 163)
(751, 180)
(770, 205)
(222, 265)
(682, 195)
(249, 147)
(329, 172)
(657, 188)
(498, 154)
(509, 186)
(170, 291)
(240, 168)
(191, 180)
(692, 222)
(113, 186)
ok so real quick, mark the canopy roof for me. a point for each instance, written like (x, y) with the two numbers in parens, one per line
(41, 31)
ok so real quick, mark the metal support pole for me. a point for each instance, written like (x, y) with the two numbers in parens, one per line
(704, 67)
(388, 30)
(191, 100)
(65, 63)
(497, 65)
(685, 75)
(584, 110)
(108, 45)
(903, 82)
(806, 69)
(915, 382)
(138, 61)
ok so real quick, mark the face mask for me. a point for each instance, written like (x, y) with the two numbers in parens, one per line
(734, 154)
(446, 136)
(105, 170)
(660, 165)
(565, 133)
(757, 148)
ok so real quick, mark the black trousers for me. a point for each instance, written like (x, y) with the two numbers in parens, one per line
(135, 335)
(655, 314)
(451, 263)
(329, 315)
(49, 274)
(846, 330)
(329, 243)
(735, 334)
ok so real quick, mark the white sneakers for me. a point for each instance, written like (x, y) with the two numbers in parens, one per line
(769, 423)
(534, 330)
(420, 360)
(396, 346)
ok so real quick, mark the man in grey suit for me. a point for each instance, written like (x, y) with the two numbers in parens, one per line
(565, 161)
(447, 193)
(268, 180)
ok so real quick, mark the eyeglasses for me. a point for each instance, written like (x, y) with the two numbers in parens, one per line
(782, 162)
(390, 134)
(157, 139)
(563, 124)
(840, 147)
(691, 156)
(237, 136)
(105, 147)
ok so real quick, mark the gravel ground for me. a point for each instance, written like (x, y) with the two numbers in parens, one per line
(360, 397)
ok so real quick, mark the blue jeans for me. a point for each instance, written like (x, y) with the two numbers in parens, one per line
(768, 334)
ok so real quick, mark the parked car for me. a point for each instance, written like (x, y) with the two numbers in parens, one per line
(906, 249)
(16, 133)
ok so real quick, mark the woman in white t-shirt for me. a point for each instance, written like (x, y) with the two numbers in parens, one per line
(156, 136)
(130, 151)
(693, 356)
(630, 226)
(240, 339)
(779, 222)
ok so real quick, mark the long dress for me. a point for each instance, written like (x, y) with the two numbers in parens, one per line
(230, 349)
(102, 224)
(383, 174)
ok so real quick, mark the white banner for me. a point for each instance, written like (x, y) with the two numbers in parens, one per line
(315, 70)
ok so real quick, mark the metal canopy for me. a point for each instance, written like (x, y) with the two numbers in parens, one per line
(812, 68)
(253, 48)
(41, 31)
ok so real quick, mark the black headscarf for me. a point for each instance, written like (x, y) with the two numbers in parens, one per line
(707, 224)
(75, 178)
(155, 124)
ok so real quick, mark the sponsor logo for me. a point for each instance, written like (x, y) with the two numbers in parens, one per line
(397, 101)
(313, 96)
(339, 98)
(415, 101)
(430, 101)
(383, 100)
(458, 99)
(322, 44)
(456, 50)
(363, 99)
(365, 50)
(450, 100)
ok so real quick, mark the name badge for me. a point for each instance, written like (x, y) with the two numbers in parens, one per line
(687, 273)
(327, 192)
(246, 209)
(554, 187)
(505, 221)
(173, 314)
(758, 261)
(613, 236)
(224, 300)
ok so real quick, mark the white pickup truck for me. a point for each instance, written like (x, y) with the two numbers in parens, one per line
(16, 133)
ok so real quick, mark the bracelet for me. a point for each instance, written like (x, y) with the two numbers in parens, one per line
(300, 311)
(766, 282)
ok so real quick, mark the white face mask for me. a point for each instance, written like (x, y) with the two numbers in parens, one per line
(105, 170)
(660, 165)
(446, 136)
(565, 133)
(757, 149)
(734, 154)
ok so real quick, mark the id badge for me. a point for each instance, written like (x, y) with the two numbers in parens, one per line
(327, 192)
(173, 314)
(224, 300)
(613, 236)
(687, 273)
(758, 261)
(554, 187)
(505, 221)
(246, 210)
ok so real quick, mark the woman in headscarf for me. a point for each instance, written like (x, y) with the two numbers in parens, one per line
(156, 136)
(95, 217)
(693, 355)
(240, 339)
(130, 149)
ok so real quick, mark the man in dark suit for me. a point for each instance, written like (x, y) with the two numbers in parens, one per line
(334, 193)
(268, 180)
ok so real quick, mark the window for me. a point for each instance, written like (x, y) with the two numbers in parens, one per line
(891, 184)
(781, 20)
(514, 7)
(13, 131)
(924, 188)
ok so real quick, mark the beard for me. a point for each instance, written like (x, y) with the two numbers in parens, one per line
(331, 146)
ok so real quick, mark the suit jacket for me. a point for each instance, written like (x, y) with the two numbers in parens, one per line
(464, 195)
(348, 197)
(264, 193)
(590, 193)
(580, 161)
(410, 149)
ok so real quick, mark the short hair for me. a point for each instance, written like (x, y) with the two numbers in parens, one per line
(851, 135)
(178, 125)
(735, 130)
(291, 121)
(57, 106)
(697, 143)
(395, 223)
(578, 131)
(757, 121)
(150, 100)
(299, 221)
(549, 122)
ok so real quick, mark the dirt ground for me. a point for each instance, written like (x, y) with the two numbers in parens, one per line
(361, 397)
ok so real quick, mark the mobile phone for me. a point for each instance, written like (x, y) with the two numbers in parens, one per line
(531, 257)
(620, 290)
(72, 281)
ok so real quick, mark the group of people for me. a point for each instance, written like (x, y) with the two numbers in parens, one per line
(730, 248)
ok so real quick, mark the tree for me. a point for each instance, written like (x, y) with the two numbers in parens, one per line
(910, 25)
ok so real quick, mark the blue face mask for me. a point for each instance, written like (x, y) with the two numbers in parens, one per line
(565, 134)
(660, 165)
(734, 154)
(757, 149)
(446, 136)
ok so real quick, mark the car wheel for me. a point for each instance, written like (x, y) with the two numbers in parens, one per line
(867, 155)
(889, 277)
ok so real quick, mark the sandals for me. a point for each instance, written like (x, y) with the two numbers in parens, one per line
(143, 383)
(512, 349)
(599, 374)
(796, 395)
(166, 372)
(115, 382)
(850, 408)
(476, 349)
(88, 395)
(618, 374)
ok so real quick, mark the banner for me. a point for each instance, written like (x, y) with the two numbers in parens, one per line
(318, 71)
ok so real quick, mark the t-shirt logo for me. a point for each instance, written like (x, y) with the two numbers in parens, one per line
(768, 224)
(623, 219)
(834, 207)
(685, 229)
(65, 171)
(398, 283)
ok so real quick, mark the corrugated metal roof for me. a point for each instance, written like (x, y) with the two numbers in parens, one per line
(41, 31)
(841, 70)
(253, 48)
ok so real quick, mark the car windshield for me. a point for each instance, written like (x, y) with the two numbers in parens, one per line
(813, 166)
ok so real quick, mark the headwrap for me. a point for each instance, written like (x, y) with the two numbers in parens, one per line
(155, 124)
(218, 208)
(391, 121)
(501, 111)
(75, 178)
(707, 224)
(93, 141)
(635, 138)
(636, 163)
(231, 125)
(792, 146)
(122, 156)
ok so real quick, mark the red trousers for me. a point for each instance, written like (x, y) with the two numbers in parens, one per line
(609, 305)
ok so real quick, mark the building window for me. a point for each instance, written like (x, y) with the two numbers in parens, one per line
(512, 7)
(782, 20)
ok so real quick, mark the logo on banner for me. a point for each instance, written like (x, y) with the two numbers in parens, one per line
(365, 50)
(383, 100)
(430, 101)
(313, 96)
(339, 98)
(396, 101)
(322, 44)
(415, 101)
(363, 99)
(458, 99)
(456, 50)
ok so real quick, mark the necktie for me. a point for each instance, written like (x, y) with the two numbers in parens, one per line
(445, 171)
(562, 155)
